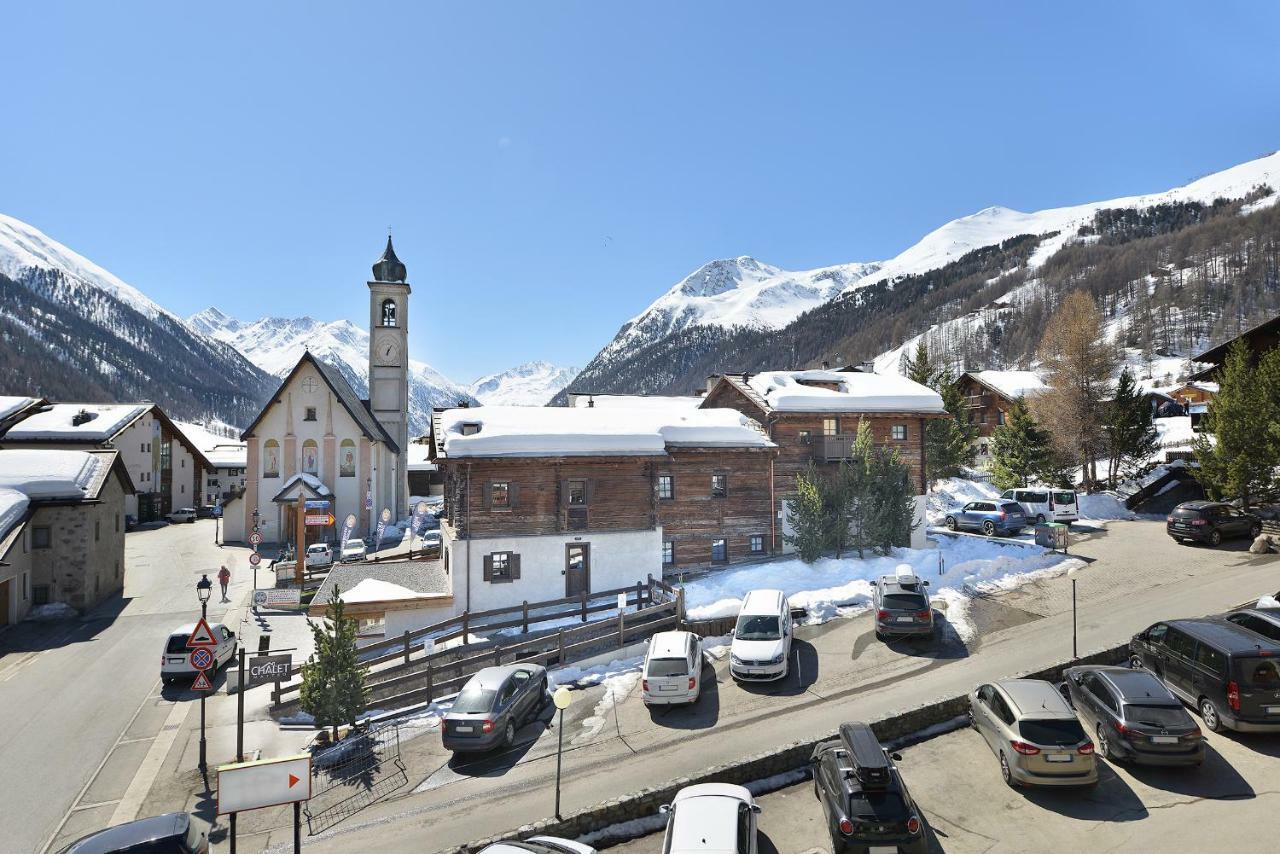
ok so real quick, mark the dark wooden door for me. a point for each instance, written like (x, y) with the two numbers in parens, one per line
(577, 569)
(4, 602)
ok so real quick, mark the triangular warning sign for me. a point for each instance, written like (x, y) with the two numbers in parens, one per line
(201, 683)
(202, 636)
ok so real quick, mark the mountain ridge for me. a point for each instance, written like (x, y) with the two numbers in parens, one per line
(533, 383)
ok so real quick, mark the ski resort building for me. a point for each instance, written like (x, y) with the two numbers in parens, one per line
(989, 397)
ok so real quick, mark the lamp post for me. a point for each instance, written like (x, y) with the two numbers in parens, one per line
(561, 698)
(217, 518)
(1071, 573)
(204, 587)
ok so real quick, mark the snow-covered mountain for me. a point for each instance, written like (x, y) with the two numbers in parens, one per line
(275, 344)
(696, 317)
(72, 330)
(531, 384)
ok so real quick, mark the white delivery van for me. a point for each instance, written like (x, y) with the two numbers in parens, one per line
(761, 647)
(1046, 505)
(672, 669)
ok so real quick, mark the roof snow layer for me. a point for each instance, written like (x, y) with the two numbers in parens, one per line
(1012, 384)
(56, 423)
(41, 474)
(13, 506)
(786, 391)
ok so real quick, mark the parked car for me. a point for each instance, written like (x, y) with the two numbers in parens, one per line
(493, 704)
(711, 817)
(431, 543)
(672, 669)
(863, 796)
(204, 511)
(539, 845)
(1210, 522)
(183, 514)
(761, 646)
(173, 833)
(319, 554)
(1224, 670)
(1045, 505)
(175, 662)
(989, 517)
(354, 550)
(1262, 621)
(1034, 733)
(902, 607)
(1133, 715)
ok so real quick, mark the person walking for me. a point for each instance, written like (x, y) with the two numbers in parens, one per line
(224, 578)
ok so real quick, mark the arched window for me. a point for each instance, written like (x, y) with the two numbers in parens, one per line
(271, 458)
(388, 312)
(347, 459)
(311, 457)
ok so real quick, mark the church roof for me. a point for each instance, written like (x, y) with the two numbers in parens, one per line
(346, 396)
(389, 268)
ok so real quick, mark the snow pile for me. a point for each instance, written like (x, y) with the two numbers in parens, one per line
(1103, 507)
(13, 508)
(373, 590)
(1173, 432)
(585, 677)
(513, 431)
(794, 391)
(1268, 602)
(952, 493)
(42, 474)
(828, 588)
(1012, 384)
(52, 611)
(58, 422)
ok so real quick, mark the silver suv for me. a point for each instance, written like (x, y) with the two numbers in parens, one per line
(902, 607)
(1034, 733)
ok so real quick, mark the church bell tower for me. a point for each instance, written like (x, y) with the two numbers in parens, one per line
(389, 367)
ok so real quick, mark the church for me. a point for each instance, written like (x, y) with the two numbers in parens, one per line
(316, 439)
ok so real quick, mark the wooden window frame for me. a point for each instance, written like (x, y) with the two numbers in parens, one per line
(309, 414)
(586, 496)
(902, 428)
(722, 491)
(669, 550)
(509, 572)
(724, 544)
(835, 426)
(751, 544)
(670, 482)
(492, 503)
(805, 437)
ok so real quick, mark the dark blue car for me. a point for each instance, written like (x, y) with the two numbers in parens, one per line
(988, 517)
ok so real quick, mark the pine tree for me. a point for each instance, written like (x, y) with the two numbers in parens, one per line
(1131, 434)
(920, 367)
(333, 690)
(1241, 462)
(892, 501)
(948, 442)
(859, 489)
(807, 515)
(1019, 449)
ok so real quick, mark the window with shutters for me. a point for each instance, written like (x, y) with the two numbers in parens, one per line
(501, 567)
(666, 487)
(500, 495)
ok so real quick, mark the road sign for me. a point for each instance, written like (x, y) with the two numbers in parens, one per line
(277, 598)
(265, 669)
(266, 783)
(315, 505)
(323, 520)
(202, 635)
(201, 658)
(201, 682)
(255, 559)
(255, 539)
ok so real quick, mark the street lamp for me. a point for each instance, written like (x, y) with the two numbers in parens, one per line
(561, 698)
(1071, 573)
(204, 587)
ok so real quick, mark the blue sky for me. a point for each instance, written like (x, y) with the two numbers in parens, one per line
(551, 168)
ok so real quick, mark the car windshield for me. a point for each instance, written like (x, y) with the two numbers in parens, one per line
(903, 602)
(668, 667)
(317, 548)
(473, 699)
(757, 627)
(354, 544)
(1186, 513)
(878, 806)
(1258, 673)
(177, 645)
(1158, 716)
(1053, 732)
(1064, 498)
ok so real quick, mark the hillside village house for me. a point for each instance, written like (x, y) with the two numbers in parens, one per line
(546, 502)
(166, 468)
(224, 479)
(317, 440)
(813, 416)
(989, 397)
(1258, 340)
(61, 528)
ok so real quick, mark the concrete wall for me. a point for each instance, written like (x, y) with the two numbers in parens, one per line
(399, 622)
(84, 563)
(18, 577)
(618, 559)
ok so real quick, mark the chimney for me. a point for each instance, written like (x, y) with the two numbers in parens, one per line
(591, 402)
(464, 404)
(826, 365)
(868, 367)
(746, 377)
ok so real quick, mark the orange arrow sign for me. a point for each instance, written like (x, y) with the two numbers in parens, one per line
(293, 780)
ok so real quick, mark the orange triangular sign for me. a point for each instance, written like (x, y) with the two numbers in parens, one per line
(293, 781)
(202, 636)
(201, 683)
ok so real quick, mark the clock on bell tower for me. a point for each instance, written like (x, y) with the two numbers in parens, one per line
(389, 363)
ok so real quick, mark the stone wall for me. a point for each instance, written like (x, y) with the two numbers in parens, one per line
(84, 563)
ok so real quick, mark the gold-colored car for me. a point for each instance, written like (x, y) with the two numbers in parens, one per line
(1034, 733)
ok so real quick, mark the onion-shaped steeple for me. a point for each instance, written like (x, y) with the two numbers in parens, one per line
(389, 268)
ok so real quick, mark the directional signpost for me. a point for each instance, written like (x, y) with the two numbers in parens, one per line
(323, 520)
(266, 783)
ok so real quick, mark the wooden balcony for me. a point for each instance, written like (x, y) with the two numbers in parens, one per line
(833, 448)
(978, 401)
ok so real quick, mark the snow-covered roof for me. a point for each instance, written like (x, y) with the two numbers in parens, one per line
(48, 475)
(634, 401)
(373, 590)
(230, 455)
(10, 405)
(316, 485)
(13, 507)
(555, 431)
(1012, 384)
(792, 391)
(419, 453)
(57, 423)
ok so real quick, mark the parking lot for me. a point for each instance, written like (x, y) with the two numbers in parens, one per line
(1226, 805)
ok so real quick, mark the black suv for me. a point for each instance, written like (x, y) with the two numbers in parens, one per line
(902, 607)
(1133, 715)
(1210, 522)
(865, 801)
(1230, 674)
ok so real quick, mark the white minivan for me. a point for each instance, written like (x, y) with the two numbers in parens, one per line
(1045, 505)
(175, 663)
(761, 647)
(672, 669)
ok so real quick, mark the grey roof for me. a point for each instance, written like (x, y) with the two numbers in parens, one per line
(389, 268)
(1035, 697)
(421, 576)
(493, 677)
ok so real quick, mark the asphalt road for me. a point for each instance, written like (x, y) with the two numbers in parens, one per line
(82, 698)
(1135, 575)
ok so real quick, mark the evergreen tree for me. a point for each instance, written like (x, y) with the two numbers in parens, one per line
(948, 442)
(1019, 449)
(333, 690)
(1241, 462)
(891, 515)
(1131, 433)
(859, 489)
(807, 515)
(920, 367)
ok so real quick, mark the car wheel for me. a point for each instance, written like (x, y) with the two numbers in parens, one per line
(1005, 772)
(1104, 746)
(1209, 714)
(1215, 538)
(880, 636)
(1255, 532)
(1039, 518)
(509, 734)
(989, 528)
(951, 523)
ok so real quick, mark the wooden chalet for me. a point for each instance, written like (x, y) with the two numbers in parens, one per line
(989, 397)
(1259, 339)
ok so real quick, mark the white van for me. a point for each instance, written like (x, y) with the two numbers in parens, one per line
(761, 648)
(175, 663)
(672, 669)
(1045, 505)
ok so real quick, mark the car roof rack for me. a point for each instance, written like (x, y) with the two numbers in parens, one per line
(870, 764)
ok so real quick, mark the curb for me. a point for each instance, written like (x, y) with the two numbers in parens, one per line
(791, 757)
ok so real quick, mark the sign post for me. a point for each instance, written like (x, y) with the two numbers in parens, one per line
(266, 783)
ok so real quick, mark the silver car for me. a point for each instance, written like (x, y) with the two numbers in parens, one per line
(1034, 733)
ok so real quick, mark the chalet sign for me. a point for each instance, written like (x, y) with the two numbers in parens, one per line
(268, 669)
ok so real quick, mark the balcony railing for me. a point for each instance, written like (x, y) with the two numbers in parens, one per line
(834, 447)
(977, 401)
